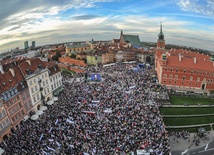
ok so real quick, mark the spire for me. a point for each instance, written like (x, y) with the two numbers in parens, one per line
(121, 33)
(161, 35)
(161, 26)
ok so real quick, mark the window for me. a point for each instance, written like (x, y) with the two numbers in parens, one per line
(46, 82)
(198, 79)
(170, 76)
(184, 77)
(191, 78)
(165, 76)
(45, 91)
(192, 71)
(48, 90)
(37, 96)
(36, 88)
(34, 80)
(32, 91)
(175, 82)
(45, 74)
(42, 76)
(30, 82)
(184, 71)
(204, 79)
(164, 81)
(176, 76)
(20, 105)
(34, 99)
(190, 83)
(165, 69)
(171, 69)
(169, 81)
(176, 70)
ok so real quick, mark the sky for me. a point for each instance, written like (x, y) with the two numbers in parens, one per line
(185, 22)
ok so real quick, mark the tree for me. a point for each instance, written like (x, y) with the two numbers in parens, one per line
(58, 54)
(55, 58)
(73, 56)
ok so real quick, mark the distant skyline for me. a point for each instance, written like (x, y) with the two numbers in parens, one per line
(185, 22)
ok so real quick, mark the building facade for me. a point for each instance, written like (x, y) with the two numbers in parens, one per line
(24, 86)
(182, 68)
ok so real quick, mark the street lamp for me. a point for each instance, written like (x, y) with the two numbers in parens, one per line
(96, 60)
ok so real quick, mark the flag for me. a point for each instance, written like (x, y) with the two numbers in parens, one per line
(56, 121)
(41, 137)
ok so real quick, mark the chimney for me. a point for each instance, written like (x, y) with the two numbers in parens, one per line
(194, 58)
(180, 56)
(12, 72)
(29, 62)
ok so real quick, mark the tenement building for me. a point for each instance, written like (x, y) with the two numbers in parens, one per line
(25, 85)
(182, 68)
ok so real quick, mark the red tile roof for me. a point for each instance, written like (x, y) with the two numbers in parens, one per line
(72, 61)
(187, 60)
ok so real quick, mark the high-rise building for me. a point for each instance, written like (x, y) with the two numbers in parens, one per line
(33, 44)
(26, 45)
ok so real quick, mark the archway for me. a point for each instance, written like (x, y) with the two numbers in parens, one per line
(203, 86)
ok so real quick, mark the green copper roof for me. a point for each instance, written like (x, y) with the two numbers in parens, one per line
(134, 40)
(77, 46)
(161, 35)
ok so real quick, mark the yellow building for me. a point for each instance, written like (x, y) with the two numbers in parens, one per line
(108, 57)
(77, 48)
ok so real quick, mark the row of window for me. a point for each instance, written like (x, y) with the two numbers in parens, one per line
(175, 82)
(10, 93)
(12, 101)
(15, 108)
(2, 114)
(28, 105)
(4, 123)
(36, 80)
(191, 78)
(192, 71)
(55, 77)
(44, 83)
(38, 96)
(18, 115)
(56, 85)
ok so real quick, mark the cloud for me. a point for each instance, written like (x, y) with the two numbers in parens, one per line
(85, 17)
(205, 8)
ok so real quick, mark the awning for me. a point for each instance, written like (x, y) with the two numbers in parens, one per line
(34, 117)
(43, 108)
(50, 102)
(55, 99)
(1, 151)
(39, 112)
(201, 130)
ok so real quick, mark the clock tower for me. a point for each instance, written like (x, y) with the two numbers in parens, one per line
(161, 41)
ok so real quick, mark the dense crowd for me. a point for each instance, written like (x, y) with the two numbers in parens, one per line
(97, 118)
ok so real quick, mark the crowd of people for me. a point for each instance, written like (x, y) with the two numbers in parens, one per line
(97, 118)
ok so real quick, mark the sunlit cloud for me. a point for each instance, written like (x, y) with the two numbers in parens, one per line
(76, 20)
